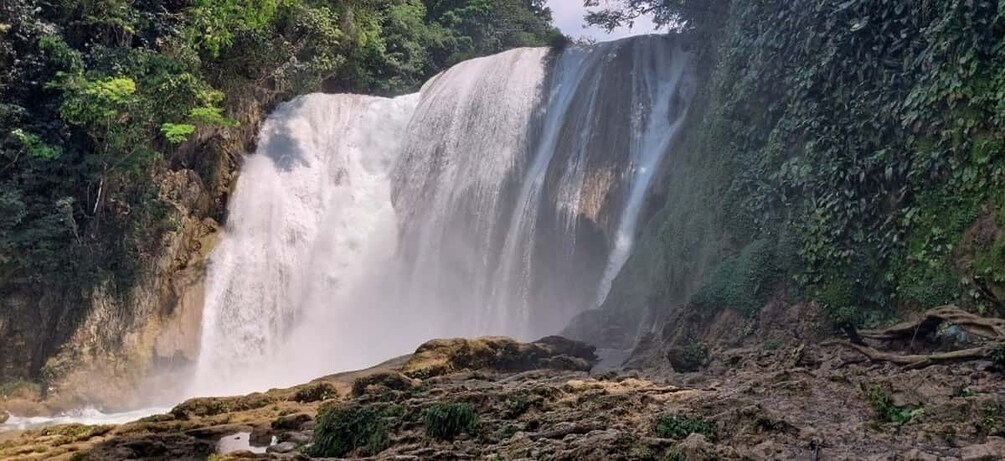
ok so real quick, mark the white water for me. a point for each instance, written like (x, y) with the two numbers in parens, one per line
(82, 416)
(311, 216)
(658, 79)
(503, 199)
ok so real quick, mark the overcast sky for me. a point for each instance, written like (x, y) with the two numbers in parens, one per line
(568, 15)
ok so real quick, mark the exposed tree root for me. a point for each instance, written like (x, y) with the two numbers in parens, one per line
(985, 327)
(917, 360)
(990, 330)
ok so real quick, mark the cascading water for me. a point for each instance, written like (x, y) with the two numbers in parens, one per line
(310, 215)
(502, 199)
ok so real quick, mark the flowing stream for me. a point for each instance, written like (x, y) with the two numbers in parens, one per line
(503, 198)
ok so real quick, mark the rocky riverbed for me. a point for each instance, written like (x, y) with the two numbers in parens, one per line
(496, 399)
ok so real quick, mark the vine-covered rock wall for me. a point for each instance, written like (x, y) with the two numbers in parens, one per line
(851, 151)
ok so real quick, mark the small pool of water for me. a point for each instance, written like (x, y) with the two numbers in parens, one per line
(240, 441)
(81, 416)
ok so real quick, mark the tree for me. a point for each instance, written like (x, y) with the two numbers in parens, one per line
(676, 14)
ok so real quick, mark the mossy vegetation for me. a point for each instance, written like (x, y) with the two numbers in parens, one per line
(886, 411)
(315, 392)
(342, 430)
(865, 136)
(679, 426)
(742, 281)
(445, 421)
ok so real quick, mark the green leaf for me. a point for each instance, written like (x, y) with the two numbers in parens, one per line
(177, 133)
(34, 146)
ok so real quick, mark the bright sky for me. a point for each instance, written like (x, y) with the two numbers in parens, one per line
(568, 16)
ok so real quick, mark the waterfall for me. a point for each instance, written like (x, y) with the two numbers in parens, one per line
(311, 214)
(501, 199)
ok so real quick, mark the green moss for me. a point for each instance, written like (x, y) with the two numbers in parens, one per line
(992, 421)
(989, 264)
(445, 421)
(677, 426)
(508, 431)
(342, 430)
(743, 281)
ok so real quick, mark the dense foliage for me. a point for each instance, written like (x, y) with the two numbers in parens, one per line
(98, 99)
(342, 430)
(863, 140)
(445, 421)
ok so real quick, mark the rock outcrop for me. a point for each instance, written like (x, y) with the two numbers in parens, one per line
(498, 354)
(766, 402)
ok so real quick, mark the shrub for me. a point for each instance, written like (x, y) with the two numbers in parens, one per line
(445, 421)
(343, 430)
(677, 426)
(315, 392)
(886, 410)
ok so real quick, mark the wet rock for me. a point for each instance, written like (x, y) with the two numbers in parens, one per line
(298, 438)
(291, 422)
(261, 435)
(284, 447)
(993, 449)
(4, 416)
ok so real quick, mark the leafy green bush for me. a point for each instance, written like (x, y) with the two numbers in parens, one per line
(882, 404)
(315, 392)
(677, 426)
(445, 421)
(341, 430)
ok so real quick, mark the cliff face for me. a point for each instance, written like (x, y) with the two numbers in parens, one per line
(99, 359)
(111, 357)
(847, 154)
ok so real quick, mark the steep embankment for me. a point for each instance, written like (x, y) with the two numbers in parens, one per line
(843, 153)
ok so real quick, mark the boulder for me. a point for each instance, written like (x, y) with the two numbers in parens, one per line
(685, 361)
(293, 422)
(500, 354)
(211, 406)
(378, 383)
(284, 447)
